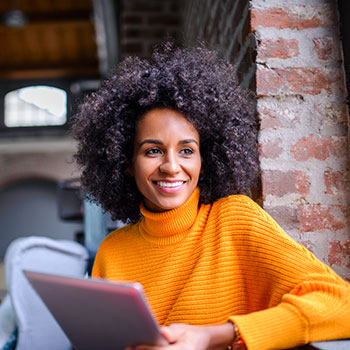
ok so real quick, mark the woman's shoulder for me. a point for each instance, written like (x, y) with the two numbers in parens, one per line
(118, 234)
(238, 202)
(245, 209)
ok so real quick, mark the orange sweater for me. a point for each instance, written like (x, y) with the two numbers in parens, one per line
(229, 261)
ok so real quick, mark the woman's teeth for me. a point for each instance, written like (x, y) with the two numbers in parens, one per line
(169, 184)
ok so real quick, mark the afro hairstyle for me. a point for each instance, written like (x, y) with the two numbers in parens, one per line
(196, 82)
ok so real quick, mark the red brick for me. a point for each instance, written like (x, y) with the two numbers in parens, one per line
(336, 181)
(275, 118)
(346, 213)
(313, 217)
(280, 48)
(286, 216)
(271, 149)
(312, 147)
(277, 182)
(324, 48)
(339, 253)
(302, 183)
(292, 81)
(269, 119)
(339, 147)
(281, 18)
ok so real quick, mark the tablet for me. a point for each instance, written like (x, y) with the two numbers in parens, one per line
(96, 313)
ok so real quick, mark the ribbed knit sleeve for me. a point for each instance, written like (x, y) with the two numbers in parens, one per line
(315, 302)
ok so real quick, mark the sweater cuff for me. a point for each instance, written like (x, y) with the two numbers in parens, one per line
(279, 327)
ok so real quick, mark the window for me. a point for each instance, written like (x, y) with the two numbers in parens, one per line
(40, 107)
(35, 106)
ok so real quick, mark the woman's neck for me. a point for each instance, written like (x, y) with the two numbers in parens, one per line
(172, 224)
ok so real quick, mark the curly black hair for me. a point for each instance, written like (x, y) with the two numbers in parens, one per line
(194, 81)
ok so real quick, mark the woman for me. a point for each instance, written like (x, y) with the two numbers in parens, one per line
(169, 145)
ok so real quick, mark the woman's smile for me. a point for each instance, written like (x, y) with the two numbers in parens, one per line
(166, 161)
(170, 186)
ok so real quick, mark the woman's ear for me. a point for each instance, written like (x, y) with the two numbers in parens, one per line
(129, 169)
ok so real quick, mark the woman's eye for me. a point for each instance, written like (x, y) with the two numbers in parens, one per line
(153, 151)
(187, 151)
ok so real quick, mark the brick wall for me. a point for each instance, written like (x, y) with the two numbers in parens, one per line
(146, 23)
(225, 27)
(301, 103)
(303, 137)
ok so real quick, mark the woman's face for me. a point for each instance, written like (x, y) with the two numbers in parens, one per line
(166, 162)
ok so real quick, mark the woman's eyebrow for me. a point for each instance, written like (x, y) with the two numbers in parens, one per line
(157, 142)
(188, 141)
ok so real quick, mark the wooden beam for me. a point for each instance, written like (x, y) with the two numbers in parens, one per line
(88, 71)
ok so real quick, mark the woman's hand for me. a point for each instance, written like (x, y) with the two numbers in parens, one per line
(186, 337)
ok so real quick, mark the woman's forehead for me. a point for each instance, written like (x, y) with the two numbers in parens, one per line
(162, 121)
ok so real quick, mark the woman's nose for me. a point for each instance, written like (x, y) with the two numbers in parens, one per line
(170, 164)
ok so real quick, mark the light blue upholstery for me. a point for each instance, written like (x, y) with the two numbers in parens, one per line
(37, 329)
(7, 321)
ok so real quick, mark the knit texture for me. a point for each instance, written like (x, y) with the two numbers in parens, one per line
(207, 264)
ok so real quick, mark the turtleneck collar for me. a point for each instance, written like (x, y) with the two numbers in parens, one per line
(170, 226)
